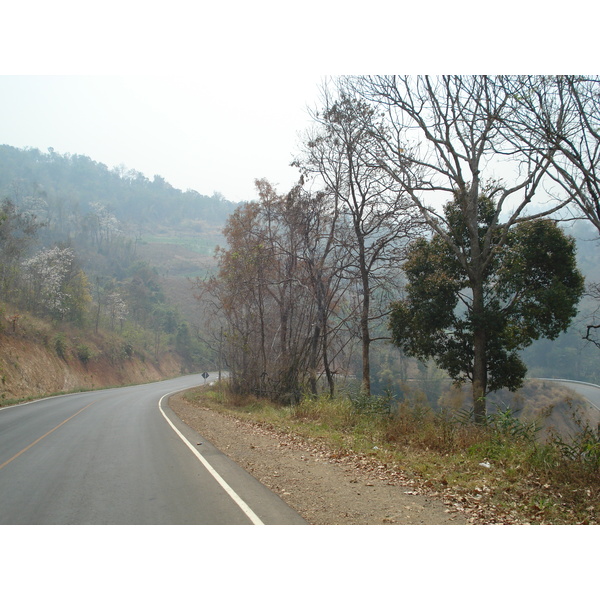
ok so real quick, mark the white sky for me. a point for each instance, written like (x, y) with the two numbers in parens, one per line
(209, 133)
(213, 98)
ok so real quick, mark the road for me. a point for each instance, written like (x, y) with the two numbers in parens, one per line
(121, 456)
(587, 390)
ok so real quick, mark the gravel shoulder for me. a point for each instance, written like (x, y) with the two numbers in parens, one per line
(325, 488)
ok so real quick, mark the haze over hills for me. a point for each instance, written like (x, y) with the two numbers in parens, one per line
(55, 186)
(115, 218)
(118, 249)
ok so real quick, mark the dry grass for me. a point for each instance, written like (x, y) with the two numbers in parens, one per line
(38, 359)
(502, 468)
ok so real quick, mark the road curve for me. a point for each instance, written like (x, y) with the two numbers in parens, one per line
(589, 391)
(121, 456)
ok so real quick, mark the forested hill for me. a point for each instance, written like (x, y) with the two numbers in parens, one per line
(84, 250)
(60, 187)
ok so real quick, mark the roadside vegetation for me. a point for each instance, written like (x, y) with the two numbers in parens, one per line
(505, 467)
(41, 357)
(398, 230)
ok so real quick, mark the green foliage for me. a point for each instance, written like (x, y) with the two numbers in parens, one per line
(60, 345)
(371, 404)
(127, 350)
(193, 351)
(84, 353)
(506, 425)
(17, 233)
(538, 266)
(530, 288)
(507, 438)
(77, 298)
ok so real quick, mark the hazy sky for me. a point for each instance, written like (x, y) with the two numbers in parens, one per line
(213, 96)
(211, 133)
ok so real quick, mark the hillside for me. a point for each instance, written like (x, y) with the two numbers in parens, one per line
(37, 359)
(102, 250)
(62, 188)
(146, 241)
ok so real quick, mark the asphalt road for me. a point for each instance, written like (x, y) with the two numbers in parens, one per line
(587, 390)
(121, 456)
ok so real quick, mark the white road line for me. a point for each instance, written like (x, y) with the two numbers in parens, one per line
(39, 400)
(243, 506)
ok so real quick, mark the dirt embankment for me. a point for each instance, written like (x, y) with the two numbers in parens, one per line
(31, 369)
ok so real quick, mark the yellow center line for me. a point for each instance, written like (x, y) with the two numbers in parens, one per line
(46, 434)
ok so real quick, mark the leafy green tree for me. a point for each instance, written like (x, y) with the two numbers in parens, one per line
(530, 289)
(78, 298)
(192, 349)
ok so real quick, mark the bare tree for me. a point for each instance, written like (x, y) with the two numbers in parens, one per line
(377, 219)
(462, 137)
(563, 112)
(315, 217)
(266, 297)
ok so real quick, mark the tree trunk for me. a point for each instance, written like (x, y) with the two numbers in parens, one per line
(479, 356)
(366, 361)
(313, 360)
(328, 373)
(366, 342)
(365, 308)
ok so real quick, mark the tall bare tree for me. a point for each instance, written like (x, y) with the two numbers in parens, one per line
(379, 219)
(562, 113)
(315, 218)
(462, 137)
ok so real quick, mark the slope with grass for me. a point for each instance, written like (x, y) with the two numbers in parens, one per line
(502, 472)
(39, 359)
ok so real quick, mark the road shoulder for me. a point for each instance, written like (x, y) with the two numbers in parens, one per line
(324, 488)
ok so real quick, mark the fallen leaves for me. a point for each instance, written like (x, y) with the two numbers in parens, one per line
(481, 498)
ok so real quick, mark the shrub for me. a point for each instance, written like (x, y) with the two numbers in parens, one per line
(506, 424)
(372, 405)
(583, 448)
(84, 353)
(60, 345)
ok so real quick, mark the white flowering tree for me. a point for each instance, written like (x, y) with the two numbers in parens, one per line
(54, 285)
(116, 309)
(104, 226)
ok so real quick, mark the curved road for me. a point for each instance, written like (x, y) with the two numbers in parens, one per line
(121, 456)
(589, 391)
